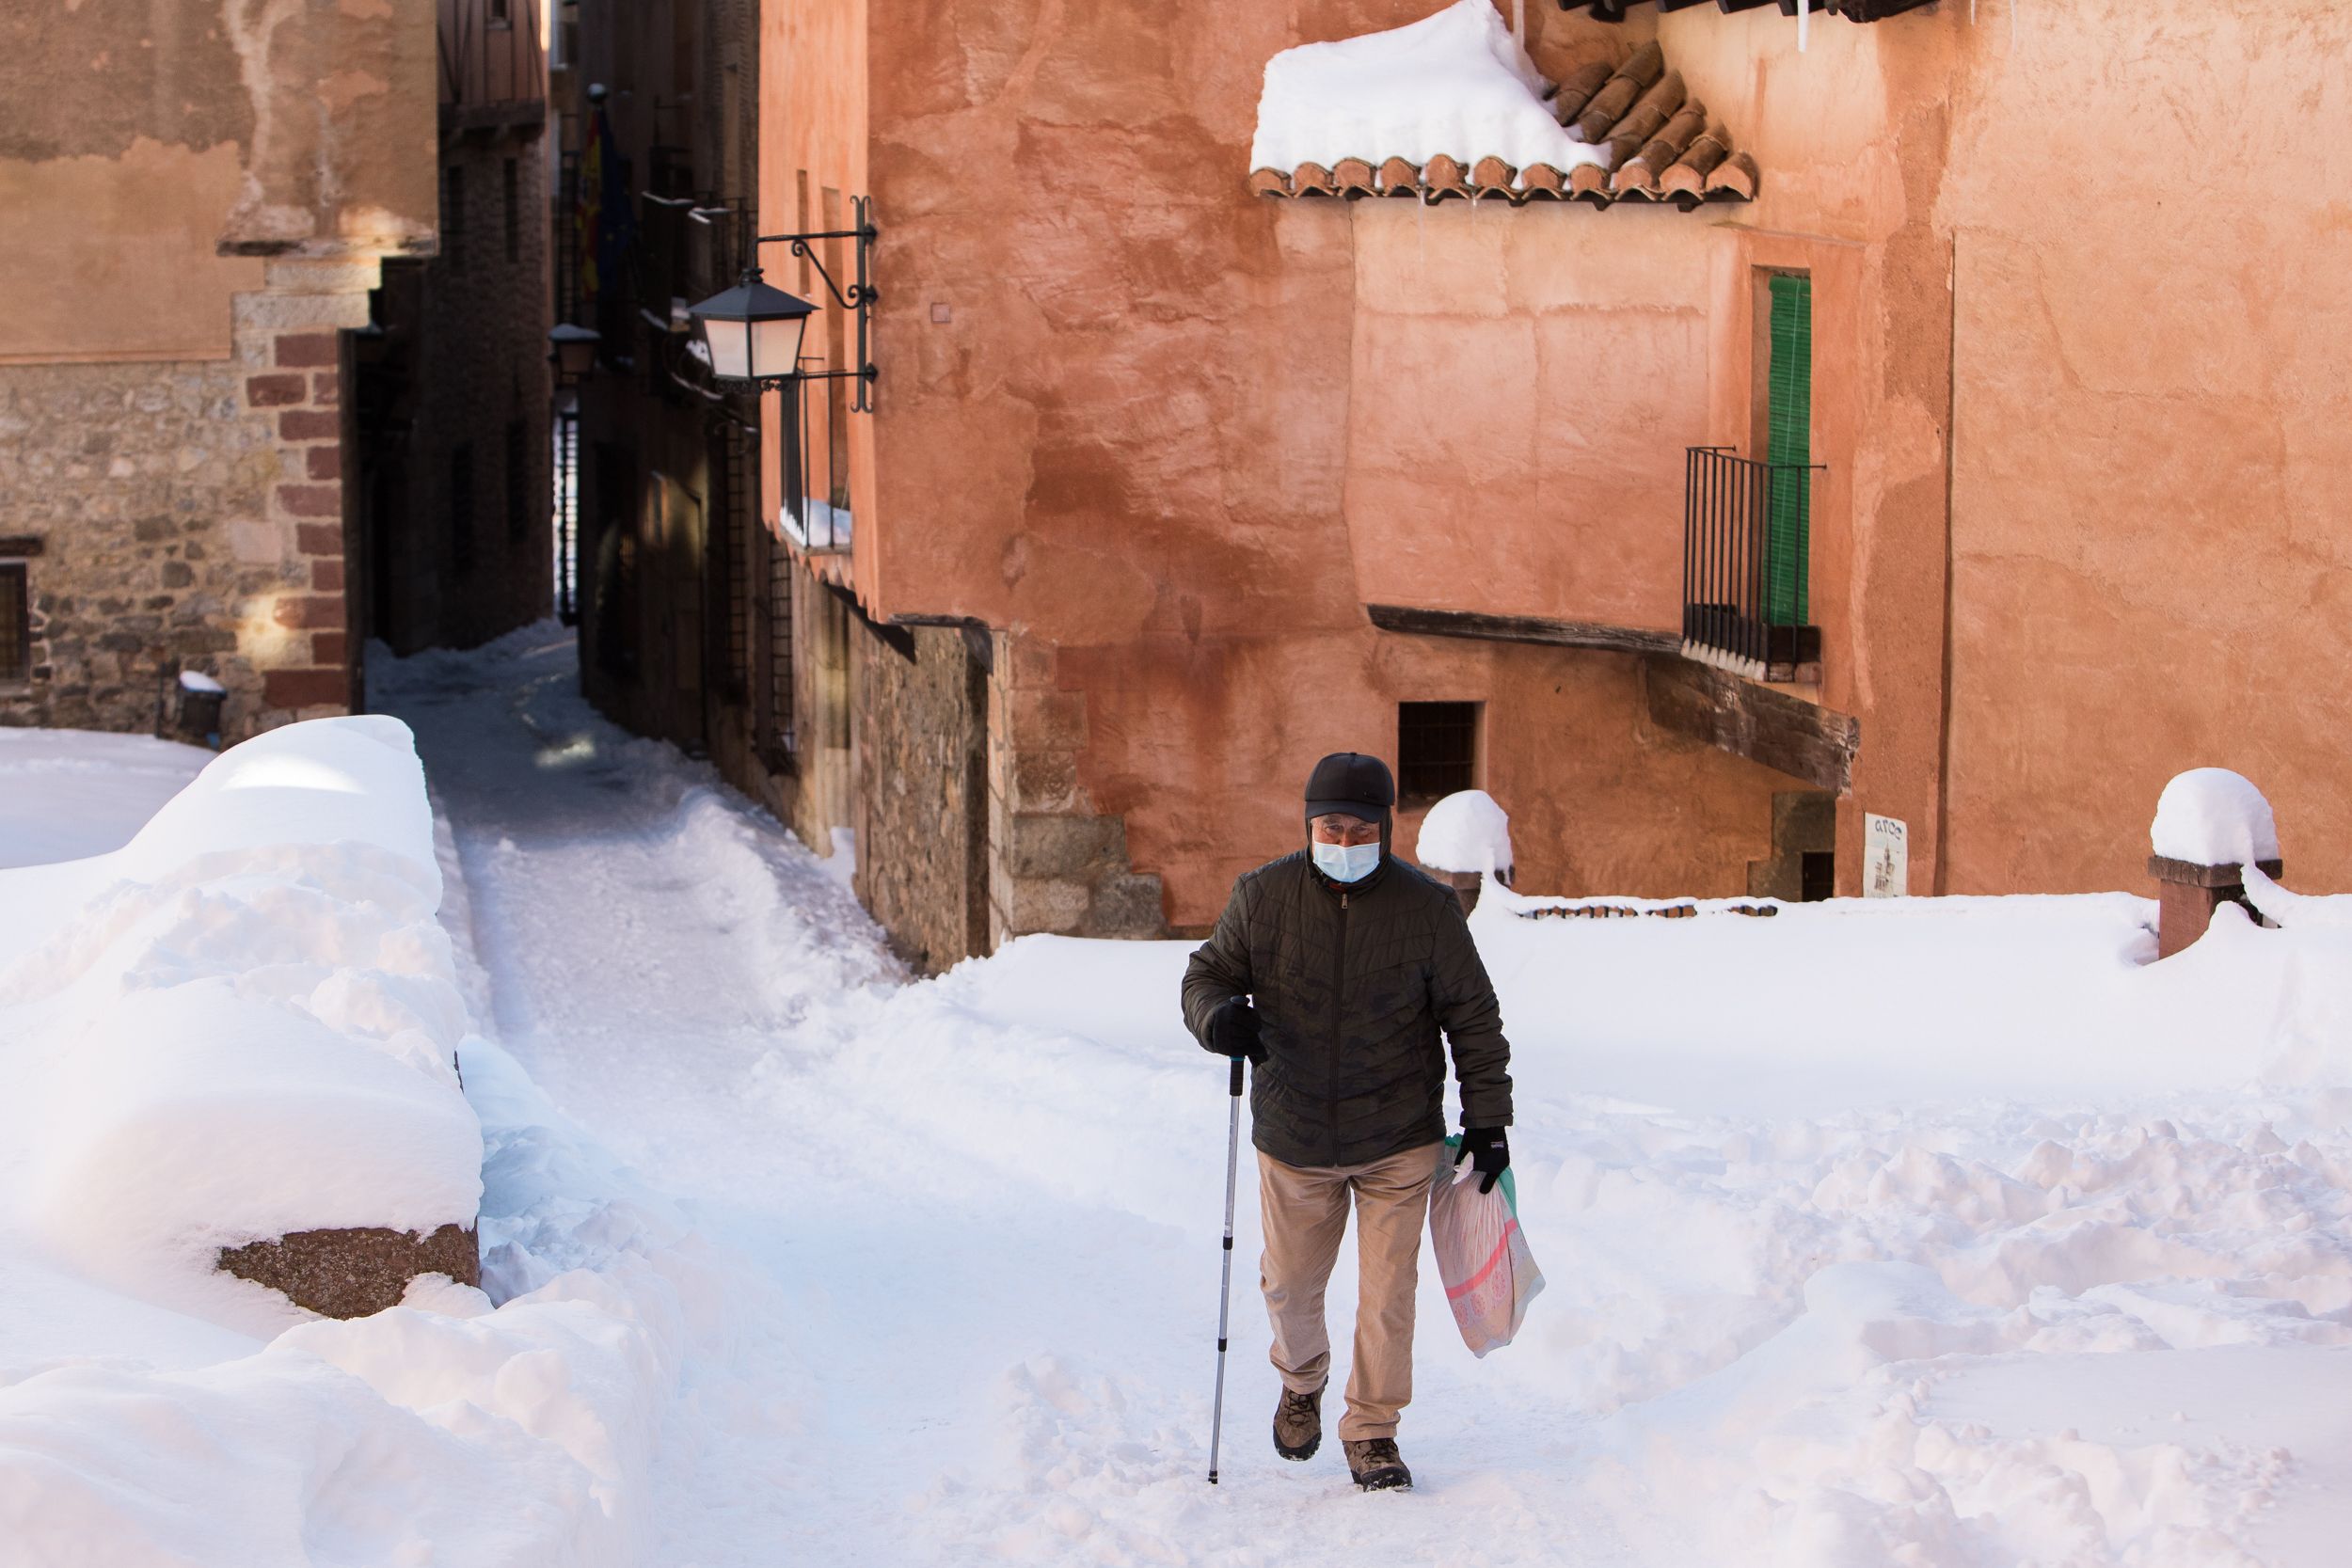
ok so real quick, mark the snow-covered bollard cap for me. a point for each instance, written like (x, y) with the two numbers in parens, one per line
(2212, 816)
(2211, 824)
(1465, 832)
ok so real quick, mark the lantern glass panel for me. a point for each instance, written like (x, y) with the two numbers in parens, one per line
(775, 346)
(730, 344)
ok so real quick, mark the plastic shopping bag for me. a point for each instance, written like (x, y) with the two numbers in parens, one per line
(1489, 1275)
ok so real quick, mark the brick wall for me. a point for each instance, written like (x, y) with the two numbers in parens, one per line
(463, 382)
(189, 514)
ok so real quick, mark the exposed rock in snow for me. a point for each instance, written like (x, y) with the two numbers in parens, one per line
(1456, 83)
(1467, 831)
(2212, 816)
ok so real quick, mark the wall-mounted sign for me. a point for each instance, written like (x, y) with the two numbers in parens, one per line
(1885, 857)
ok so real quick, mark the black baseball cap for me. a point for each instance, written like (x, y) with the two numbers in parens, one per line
(1352, 783)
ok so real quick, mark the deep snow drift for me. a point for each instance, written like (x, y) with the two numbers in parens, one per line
(1942, 1233)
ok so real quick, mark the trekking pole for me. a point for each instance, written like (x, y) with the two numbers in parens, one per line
(1225, 1288)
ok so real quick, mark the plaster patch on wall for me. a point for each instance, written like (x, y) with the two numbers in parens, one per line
(81, 273)
(345, 87)
(252, 24)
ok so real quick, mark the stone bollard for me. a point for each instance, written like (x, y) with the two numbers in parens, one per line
(2211, 824)
(1464, 883)
(2187, 893)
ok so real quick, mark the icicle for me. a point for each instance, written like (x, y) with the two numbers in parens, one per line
(1804, 23)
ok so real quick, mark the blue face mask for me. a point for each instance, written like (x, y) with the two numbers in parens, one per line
(1347, 863)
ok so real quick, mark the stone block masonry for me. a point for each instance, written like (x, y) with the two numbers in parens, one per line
(1056, 863)
(190, 517)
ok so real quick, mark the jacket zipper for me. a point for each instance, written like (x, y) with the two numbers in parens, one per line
(1339, 1007)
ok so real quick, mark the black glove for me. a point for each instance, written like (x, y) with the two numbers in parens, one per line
(1233, 1030)
(1488, 1153)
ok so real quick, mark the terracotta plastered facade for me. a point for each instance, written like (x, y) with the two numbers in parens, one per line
(200, 200)
(1171, 441)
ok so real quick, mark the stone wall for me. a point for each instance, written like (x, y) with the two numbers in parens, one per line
(188, 515)
(921, 793)
(1056, 863)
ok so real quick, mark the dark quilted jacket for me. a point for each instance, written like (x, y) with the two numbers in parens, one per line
(1350, 997)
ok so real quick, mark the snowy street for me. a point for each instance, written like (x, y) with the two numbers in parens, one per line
(962, 1234)
(2023, 1251)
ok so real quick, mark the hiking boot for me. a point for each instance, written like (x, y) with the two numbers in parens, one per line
(1376, 1465)
(1299, 1425)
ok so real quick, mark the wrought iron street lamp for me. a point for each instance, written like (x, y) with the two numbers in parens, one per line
(753, 331)
(573, 351)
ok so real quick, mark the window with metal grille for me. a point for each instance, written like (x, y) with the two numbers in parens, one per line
(16, 625)
(453, 215)
(518, 480)
(1437, 749)
(513, 192)
(461, 506)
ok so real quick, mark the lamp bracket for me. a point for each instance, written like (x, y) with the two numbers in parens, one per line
(857, 297)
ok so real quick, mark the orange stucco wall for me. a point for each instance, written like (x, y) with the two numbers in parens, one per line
(1184, 435)
(2071, 390)
(816, 135)
(2089, 365)
(2151, 452)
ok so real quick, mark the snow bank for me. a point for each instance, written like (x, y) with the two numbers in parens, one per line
(1467, 831)
(1456, 83)
(250, 1023)
(65, 793)
(240, 1024)
(2212, 816)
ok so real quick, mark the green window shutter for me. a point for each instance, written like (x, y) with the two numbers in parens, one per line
(1789, 508)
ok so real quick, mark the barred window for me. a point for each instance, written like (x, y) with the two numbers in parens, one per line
(453, 215)
(512, 190)
(16, 625)
(1437, 749)
(461, 503)
(518, 480)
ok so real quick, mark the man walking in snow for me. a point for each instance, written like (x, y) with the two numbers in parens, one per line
(1333, 971)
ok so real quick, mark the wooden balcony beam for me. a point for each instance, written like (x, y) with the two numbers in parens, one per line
(1521, 628)
(1786, 734)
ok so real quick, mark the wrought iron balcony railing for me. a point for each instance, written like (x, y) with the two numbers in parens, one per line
(1747, 564)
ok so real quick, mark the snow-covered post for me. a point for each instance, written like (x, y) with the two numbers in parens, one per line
(2211, 824)
(1464, 837)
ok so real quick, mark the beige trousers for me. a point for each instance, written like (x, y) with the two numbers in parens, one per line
(1306, 1214)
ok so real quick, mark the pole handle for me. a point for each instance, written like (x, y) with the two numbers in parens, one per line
(1235, 1088)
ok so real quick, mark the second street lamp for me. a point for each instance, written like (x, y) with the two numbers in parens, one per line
(753, 331)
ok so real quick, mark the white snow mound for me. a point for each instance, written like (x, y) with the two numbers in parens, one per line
(2212, 816)
(243, 1024)
(1465, 831)
(1456, 83)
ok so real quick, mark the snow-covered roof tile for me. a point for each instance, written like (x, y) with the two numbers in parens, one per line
(1853, 11)
(1450, 106)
